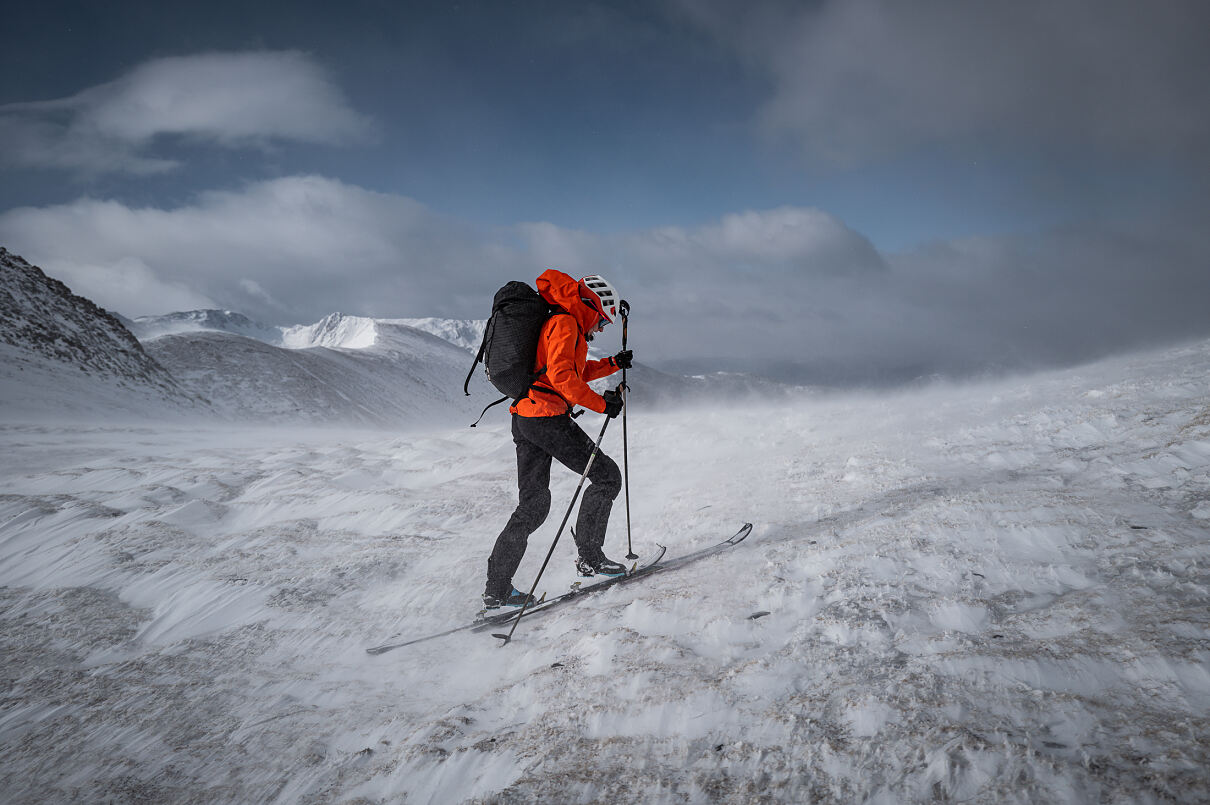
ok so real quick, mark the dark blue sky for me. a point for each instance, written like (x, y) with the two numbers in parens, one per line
(607, 117)
(769, 143)
(601, 116)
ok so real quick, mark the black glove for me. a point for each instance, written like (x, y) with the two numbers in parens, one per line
(613, 403)
(624, 359)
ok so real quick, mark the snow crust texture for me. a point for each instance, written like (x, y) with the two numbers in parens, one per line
(980, 593)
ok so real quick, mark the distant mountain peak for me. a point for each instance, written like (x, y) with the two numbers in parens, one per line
(336, 331)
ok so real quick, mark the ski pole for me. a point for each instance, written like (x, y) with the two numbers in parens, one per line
(630, 554)
(583, 476)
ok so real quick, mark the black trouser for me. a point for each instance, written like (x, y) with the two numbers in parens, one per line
(539, 439)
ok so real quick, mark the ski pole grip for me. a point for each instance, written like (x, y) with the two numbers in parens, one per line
(624, 307)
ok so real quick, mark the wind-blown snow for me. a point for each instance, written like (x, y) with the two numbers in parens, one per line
(466, 333)
(984, 593)
(146, 328)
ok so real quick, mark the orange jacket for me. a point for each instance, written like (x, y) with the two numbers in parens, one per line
(563, 352)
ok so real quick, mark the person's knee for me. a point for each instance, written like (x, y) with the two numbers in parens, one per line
(534, 509)
(606, 476)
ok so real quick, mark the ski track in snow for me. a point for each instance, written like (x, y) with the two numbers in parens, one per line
(978, 593)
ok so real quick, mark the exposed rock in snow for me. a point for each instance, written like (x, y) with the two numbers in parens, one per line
(42, 316)
(61, 353)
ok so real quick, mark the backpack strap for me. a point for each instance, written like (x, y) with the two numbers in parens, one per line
(466, 387)
(484, 411)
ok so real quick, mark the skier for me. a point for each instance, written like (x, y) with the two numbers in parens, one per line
(543, 429)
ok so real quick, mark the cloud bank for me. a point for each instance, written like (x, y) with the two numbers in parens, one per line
(790, 291)
(233, 100)
(859, 80)
(285, 250)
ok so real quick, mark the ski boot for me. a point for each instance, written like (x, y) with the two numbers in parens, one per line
(599, 565)
(516, 598)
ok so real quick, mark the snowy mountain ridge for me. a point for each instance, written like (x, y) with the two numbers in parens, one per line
(42, 315)
(62, 355)
(466, 333)
(649, 386)
(336, 330)
(343, 370)
(146, 328)
(346, 369)
(59, 351)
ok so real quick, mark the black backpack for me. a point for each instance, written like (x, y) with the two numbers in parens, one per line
(510, 341)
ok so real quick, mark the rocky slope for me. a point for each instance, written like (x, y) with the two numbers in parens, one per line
(60, 351)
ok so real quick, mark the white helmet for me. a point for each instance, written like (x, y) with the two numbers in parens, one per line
(598, 294)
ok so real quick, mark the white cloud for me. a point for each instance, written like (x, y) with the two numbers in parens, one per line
(254, 290)
(756, 289)
(127, 285)
(297, 247)
(227, 99)
(36, 138)
(757, 277)
(294, 249)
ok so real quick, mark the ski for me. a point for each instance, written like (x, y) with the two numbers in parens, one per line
(652, 566)
(648, 570)
(494, 619)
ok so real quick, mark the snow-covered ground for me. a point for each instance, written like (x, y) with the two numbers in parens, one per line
(981, 593)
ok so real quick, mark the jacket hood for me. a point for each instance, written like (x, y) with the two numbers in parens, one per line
(563, 290)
